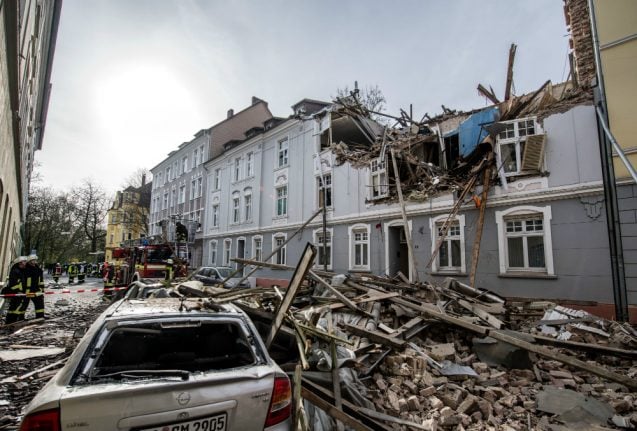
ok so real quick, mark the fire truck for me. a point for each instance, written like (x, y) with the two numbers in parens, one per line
(144, 261)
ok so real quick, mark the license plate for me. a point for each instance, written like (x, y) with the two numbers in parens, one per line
(213, 423)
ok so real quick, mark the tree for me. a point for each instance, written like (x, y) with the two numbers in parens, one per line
(91, 205)
(371, 98)
(139, 176)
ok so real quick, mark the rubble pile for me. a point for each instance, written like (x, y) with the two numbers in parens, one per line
(380, 353)
(32, 351)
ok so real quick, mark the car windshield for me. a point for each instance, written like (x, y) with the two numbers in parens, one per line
(225, 272)
(165, 349)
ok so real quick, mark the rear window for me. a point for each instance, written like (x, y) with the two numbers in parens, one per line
(193, 346)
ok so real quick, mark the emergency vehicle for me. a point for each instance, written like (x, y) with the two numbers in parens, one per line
(144, 261)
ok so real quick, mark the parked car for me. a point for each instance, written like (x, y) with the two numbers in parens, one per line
(166, 364)
(213, 275)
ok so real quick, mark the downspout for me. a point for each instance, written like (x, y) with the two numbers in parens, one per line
(610, 191)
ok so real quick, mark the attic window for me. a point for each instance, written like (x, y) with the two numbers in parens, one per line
(521, 147)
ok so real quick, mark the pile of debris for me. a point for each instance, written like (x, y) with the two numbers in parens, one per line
(32, 351)
(369, 352)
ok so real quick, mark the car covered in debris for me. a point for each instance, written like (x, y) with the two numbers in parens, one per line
(213, 275)
(166, 364)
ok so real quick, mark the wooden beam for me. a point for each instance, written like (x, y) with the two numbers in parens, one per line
(375, 337)
(333, 411)
(486, 93)
(336, 293)
(507, 88)
(486, 182)
(403, 211)
(307, 259)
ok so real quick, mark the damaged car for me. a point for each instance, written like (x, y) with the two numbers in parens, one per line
(214, 275)
(166, 364)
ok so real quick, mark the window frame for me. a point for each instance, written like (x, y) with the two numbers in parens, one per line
(236, 208)
(227, 252)
(250, 164)
(216, 181)
(236, 169)
(329, 194)
(352, 231)
(433, 228)
(281, 198)
(319, 245)
(215, 215)
(513, 137)
(280, 257)
(520, 212)
(378, 169)
(283, 152)
(212, 250)
(247, 207)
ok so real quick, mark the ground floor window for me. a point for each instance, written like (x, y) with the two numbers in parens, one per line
(449, 234)
(324, 246)
(524, 239)
(257, 246)
(359, 247)
(213, 253)
(277, 241)
(227, 249)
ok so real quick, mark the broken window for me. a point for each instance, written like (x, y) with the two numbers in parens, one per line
(282, 201)
(277, 241)
(324, 248)
(282, 150)
(328, 190)
(359, 237)
(378, 179)
(179, 345)
(512, 143)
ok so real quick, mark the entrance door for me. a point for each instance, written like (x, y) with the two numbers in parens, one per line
(398, 252)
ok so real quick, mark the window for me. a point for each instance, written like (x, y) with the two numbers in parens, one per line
(201, 154)
(199, 187)
(193, 189)
(324, 252)
(512, 142)
(217, 179)
(236, 210)
(249, 165)
(277, 241)
(182, 194)
(237, 169)
(111, 242)
(165, 206)
(282, 201)
(359, 247)
(169, 174)
(282, 151)
(184, 165)
(227, 248)
(378, 179)
(451, 255)
(213, 253)
(247, 206)
(215, 215)
(195, 158)
(328, 190)
(524, 240)
(173, 197)
(257, 246)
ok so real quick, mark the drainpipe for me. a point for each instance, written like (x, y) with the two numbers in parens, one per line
(610, 187)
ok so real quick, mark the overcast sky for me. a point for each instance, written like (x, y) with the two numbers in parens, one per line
(133, 79)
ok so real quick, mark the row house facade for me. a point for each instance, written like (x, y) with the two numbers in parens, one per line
(28, 33)
(544, 230)
(179, 181)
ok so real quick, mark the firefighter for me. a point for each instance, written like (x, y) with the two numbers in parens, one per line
(57, 272)
(109, 276)
(35, 286)
(72, 270)
(81, 273)
(169, 270)
(17, 281)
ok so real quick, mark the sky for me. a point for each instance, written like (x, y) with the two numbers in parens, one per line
(133, 79)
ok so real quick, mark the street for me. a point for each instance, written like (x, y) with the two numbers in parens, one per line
(38, 350)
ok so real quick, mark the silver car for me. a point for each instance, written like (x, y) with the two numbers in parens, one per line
(166, 365)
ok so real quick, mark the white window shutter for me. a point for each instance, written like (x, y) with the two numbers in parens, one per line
(533, 152)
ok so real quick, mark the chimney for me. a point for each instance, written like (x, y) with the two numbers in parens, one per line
(255, 100)
(230, 113)
(143, 180)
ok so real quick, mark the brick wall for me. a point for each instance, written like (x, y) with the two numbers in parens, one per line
(581, 43)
